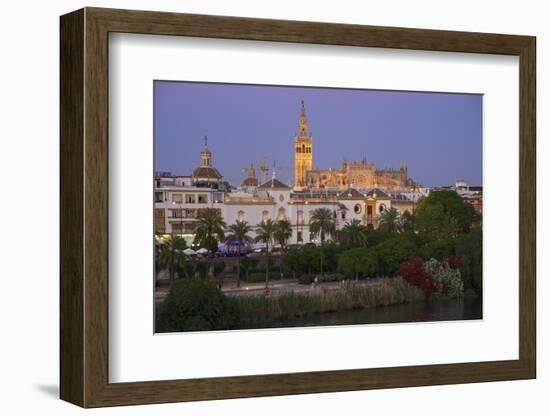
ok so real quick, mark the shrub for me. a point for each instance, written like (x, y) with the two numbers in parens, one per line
(196, 305)
(392, 252)
(413, 272)
(453, 262)
(256, 311)
(306, 279)
(358, 262)
(438, 249)
(447, 281)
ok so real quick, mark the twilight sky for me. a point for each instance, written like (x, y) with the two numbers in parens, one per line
(438, 135)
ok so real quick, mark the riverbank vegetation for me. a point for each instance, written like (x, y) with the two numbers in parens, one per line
(435, 252)
(197, 305)
(255, 311)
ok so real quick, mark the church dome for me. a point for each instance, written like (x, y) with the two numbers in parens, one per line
(250, 181)
(206, 172)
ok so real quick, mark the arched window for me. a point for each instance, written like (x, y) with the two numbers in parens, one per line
(382, 208)
(281, 214)
(265, 216)
(298, 149)
(303, 148)
(240, 216)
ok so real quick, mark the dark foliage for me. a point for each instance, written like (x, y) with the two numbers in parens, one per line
(412, 271)
(196, 305)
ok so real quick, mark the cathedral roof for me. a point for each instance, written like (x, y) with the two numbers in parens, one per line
(350, 193)
(273, 184)
(376, 192)
(250, 181)
(207, 172)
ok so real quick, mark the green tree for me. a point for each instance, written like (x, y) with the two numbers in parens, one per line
(283, 231)
(432, 220)
(438, 249)
(238, 234)
(322, 224)
(292, 262)
(248, 264)
(170, 254)
(265, 232)
(196, 305)
(210, 228)
(357, 262)
(469, 247)
(394, 251)
(444, 212)
(390, 221)
(353, 234)
(408, 222)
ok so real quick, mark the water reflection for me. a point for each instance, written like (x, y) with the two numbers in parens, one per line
(441, 310)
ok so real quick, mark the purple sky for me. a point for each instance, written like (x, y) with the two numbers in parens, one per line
(438, 135)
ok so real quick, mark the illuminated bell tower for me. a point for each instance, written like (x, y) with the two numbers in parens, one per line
(303, 146)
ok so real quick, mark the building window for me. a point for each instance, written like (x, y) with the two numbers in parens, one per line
(203, 199)
(369, 210)
(343, 214)
(357, 208)
(160, 225)
(281, 214)
(382, 208)
(159, 197)
(299, 237)
(300, 217)
(265, 216)
(240, 216)
(190, 199)
(177, 198)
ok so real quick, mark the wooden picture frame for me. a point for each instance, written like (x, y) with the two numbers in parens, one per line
(84, 207)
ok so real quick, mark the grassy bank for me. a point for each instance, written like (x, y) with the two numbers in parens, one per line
(254, 310)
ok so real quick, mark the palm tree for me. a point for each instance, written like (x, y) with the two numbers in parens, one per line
(171, 254)
(283, 231)
(264, 233)
(390, 221)
(209, 230)
(322, 224)
(353, 234)
(238, 234)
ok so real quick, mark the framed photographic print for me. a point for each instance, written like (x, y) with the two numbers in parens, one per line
(255, 207)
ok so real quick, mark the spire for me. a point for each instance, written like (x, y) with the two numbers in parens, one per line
(206, 155)
(303, 127)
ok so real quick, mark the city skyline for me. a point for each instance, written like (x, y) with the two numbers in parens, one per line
(246, 122)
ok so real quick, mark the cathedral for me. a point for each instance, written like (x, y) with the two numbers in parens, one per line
(357, 174)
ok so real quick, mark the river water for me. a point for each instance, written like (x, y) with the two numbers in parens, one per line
(467, 308)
